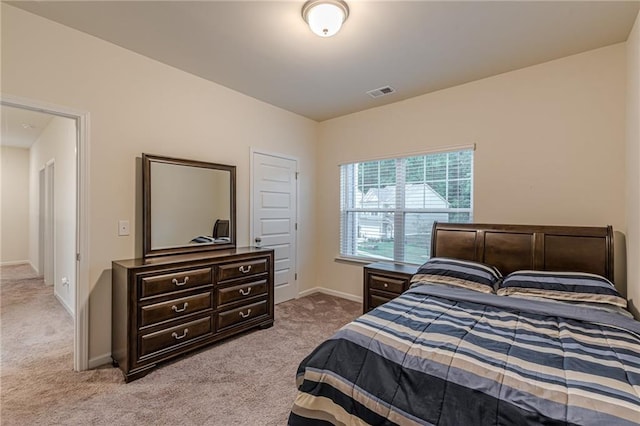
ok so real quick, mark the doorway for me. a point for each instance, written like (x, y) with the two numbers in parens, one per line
(274, 193)
(79, 297)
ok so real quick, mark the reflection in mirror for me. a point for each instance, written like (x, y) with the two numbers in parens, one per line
(189, 205)
(183, 206)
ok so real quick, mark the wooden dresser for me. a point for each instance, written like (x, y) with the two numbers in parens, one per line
(165, 307)
(384, 281)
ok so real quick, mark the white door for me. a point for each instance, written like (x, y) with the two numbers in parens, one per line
(274, 203)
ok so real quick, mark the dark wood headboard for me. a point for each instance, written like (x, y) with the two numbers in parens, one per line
(514, 247)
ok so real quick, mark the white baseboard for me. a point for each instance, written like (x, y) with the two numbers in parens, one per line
(63, 303)
(100, 361)
(330, 292)
(15, 262)
(36, 269)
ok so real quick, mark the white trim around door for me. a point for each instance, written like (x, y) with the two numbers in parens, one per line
(49, 224)
(81, 319)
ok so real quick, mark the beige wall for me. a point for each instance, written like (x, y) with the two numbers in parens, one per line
(56, 143)
(550, 142)
(549, 148)
(633, 167)
(14, 178)
(139, 105)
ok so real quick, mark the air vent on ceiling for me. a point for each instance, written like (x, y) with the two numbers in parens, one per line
(382, 91)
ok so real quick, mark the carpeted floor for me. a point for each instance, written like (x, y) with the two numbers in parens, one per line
(247, 380)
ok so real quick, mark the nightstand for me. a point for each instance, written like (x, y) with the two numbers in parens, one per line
(384, 281)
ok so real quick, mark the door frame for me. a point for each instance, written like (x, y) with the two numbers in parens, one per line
(253, 151)
(41, 218)
(81, 319)
(50, 224)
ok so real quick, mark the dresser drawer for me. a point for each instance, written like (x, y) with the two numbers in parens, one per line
(158, 284)
(234, 293)
(388, 284)
(242, 269)
(175, 308)
(376, 300)
(239, 315)
(174, 336)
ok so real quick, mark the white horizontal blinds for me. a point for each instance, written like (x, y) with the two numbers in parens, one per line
(440, 182)
(349, 198)
(388, 206)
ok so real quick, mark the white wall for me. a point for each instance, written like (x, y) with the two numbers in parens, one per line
(633, 167)
(57, 142)
(550, 146)
(139, 105)
(14, 178)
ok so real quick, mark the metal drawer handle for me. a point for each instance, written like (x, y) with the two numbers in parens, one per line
(385, 285)
(245, 315)
(245, 294)
(184, 307)
(184, 334)
(244, 271)
(176, 282)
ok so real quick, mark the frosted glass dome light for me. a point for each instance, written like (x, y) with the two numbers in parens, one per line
(325, 17)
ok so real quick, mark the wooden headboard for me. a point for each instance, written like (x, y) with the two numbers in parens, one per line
(514, 247)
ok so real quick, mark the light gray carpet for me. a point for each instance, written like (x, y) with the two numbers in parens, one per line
(247, 380)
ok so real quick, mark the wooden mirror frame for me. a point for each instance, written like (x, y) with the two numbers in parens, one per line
(147, 250)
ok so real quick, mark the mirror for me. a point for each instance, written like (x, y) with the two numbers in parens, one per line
(188, 206)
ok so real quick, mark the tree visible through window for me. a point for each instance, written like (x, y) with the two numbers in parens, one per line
(388, 206)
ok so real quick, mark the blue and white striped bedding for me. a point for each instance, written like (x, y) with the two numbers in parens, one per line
(570, 286)
(459, 273)
(441, 355)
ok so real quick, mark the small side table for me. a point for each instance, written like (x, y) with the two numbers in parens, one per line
(384, 281)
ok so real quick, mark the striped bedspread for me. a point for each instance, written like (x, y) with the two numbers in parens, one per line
(450, 356)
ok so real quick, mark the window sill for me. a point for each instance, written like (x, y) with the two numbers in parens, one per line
(353, 260)
(361, 261)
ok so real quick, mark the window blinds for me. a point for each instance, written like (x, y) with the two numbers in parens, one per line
(388, 206)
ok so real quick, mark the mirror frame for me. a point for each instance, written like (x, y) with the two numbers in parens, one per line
(147, 250)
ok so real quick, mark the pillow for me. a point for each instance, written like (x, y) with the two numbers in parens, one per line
(612, 309)
(569, 286)
(459, 273)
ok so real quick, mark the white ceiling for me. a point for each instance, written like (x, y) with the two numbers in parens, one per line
(21, 127)
(265, 50)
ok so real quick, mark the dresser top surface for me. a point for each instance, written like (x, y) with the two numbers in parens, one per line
(199, 256)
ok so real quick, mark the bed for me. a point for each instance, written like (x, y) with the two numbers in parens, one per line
(504, 325)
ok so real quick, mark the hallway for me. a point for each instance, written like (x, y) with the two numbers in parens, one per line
(36, 358)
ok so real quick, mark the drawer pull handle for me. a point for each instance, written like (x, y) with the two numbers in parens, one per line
(243, 293)
(184, 307)
(243, 315)
(176, 282)
(385, 285)
(243, 270)
(184, 334)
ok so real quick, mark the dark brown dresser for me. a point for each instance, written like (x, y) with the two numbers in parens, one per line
(384, 281)
(165, 307)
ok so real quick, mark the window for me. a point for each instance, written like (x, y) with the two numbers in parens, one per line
(387, 207)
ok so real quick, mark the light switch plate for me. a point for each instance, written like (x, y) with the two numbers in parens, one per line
(123, 227)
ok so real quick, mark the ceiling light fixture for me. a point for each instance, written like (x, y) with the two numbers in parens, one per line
(325, 17)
